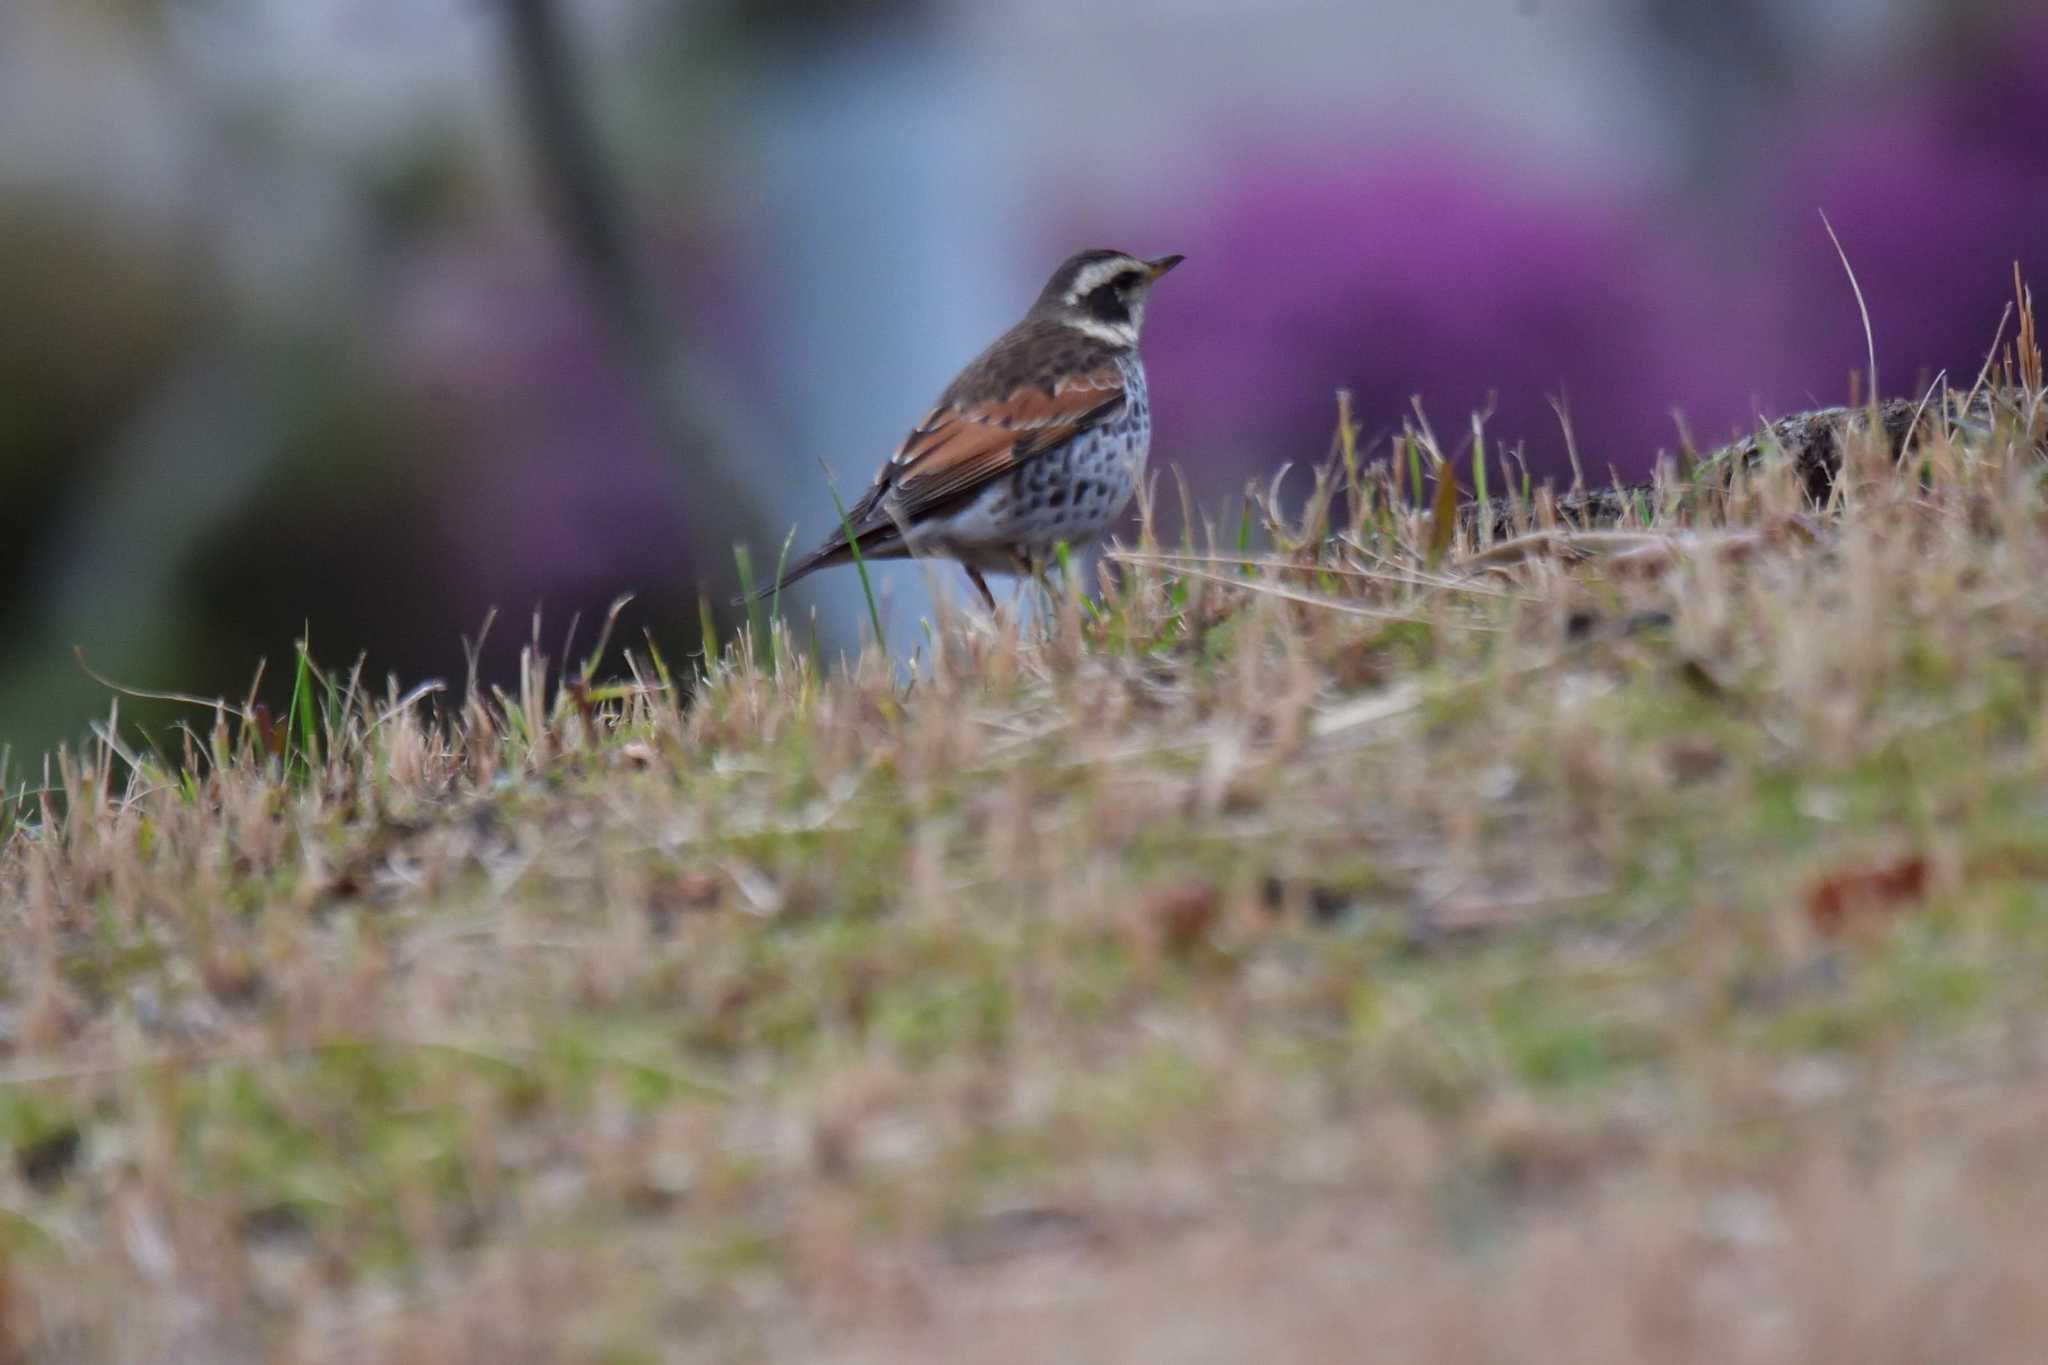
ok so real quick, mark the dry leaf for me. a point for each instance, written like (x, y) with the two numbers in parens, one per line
(1841, 898)
(1177, 919)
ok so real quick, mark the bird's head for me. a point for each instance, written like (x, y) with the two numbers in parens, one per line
(1103, 293)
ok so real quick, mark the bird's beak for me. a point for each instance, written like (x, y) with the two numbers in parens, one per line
(1163, 264)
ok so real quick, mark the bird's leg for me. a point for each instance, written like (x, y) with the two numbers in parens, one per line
(981, 586)
(1040, 571)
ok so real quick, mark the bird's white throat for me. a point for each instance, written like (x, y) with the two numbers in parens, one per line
(1115, 333)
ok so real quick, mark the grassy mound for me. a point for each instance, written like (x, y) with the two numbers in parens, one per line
(1421, 936)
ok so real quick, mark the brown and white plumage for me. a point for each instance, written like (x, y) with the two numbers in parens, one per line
(1040, 439)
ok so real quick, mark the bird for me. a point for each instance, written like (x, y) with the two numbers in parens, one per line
(1040, 440)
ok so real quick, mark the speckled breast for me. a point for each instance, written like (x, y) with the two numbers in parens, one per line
(1074, 492)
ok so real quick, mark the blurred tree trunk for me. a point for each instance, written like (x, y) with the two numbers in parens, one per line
(703, 430)
(1724, 67)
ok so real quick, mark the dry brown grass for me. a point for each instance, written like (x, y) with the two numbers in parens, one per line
(1394, 940)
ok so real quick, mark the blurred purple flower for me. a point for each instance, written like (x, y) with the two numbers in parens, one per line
(552, 485)
(1431, 273)
(1937, 182)
(1425, 269)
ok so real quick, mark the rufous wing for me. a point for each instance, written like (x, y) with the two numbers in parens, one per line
(963, 445)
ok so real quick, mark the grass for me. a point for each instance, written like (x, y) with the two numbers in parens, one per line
(860, 566)
(1367, 930)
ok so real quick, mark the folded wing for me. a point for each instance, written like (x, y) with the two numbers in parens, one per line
(957, 449)
(960, 447)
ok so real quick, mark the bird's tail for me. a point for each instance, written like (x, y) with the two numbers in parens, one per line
(824, 557)
(877, 542)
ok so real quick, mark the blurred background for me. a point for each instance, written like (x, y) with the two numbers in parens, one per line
(361, 317)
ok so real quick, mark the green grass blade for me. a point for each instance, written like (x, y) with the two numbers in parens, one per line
(707, 626)
(662, 674)
(301, 709)
(860, 563)
(1479, 482)
(745, 561)
(775, 598)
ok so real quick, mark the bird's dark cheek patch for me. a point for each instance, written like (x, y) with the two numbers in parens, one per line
(1106, 305)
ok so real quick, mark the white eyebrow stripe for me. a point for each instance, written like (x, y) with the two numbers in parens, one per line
(1093, 277)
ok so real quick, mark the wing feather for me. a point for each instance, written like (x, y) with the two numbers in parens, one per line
(961, 446)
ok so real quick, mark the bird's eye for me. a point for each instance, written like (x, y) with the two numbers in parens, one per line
(1130, 279)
